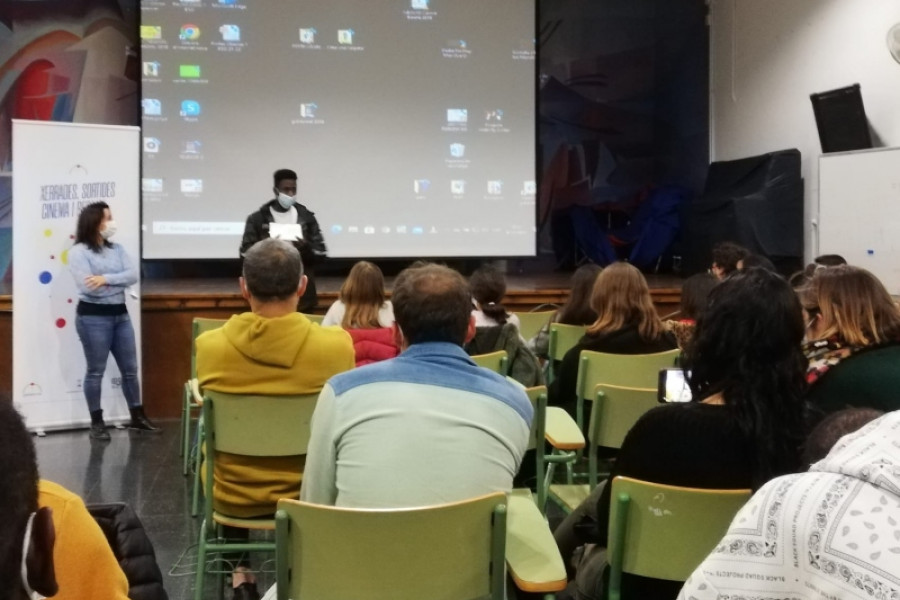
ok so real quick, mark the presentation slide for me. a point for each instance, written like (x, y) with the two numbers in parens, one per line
(410, 123)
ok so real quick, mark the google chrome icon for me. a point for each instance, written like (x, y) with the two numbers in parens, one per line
(189, 32)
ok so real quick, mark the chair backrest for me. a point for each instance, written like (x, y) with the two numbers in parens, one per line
(495, 361)
(532, 322)
(630, 370)
(314, 318)
(538, 397)
(563, 338)
(444, 552)
(198, 326)
(664, 531)
(615, 411)
(257, 425)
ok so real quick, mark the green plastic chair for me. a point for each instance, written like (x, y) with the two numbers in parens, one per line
(530, 323)
(664, 531)
(189, 401)
(314, 318)
(258, 426)
(495, 361)
(445, 552)
(551, 426)
(616, 410)
(562, 339)
(625, 370)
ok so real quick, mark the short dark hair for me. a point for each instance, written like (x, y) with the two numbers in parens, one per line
(432, 303)
(272, 270)
(830, 260)
(282, 174)
(726, 255)
(758, 260)
(488, 288)
(89, 224)
(832, 428)
(18, 489)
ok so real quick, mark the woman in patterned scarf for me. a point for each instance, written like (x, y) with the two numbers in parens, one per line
(853, 341)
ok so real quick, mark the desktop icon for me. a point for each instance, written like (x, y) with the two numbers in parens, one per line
(337, 228)
(419, 4)
(495, 115)
(152, 107)
(227, 1)
(189, 71)
(191, 1)
(345, 36)
(189, 32)
(369, 230)
(308, 35)
(151, 32)
(191, 147)
(191, 186)
(230, 33)
(529, 187)
(308, 110)
(150, 185)
(457, 115)
(190, 108)
(420, 186)
(417, 230)
(495, 187)
(457, 150)
(458, 186)
(151, 68)
(151, 145)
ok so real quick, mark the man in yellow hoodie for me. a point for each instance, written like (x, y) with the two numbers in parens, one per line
(270, 350)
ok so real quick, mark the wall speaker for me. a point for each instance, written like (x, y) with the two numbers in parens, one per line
(841, 120)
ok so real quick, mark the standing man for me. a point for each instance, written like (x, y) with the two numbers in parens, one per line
(284, 209)
(427, 427)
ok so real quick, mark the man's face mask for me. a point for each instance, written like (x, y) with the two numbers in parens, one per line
(284, 200)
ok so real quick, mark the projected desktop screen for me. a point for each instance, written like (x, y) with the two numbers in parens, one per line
(409, 122)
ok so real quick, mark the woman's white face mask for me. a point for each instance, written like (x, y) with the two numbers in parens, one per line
(109, 230)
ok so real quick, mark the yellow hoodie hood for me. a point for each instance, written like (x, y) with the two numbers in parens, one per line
(268, 341)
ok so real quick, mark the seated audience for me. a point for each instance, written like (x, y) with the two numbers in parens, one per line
(832, 428)
(488, 289)
(271, 350)
(725, 259)
(495, 329)
(829, 533)
(576, 311)
(363, 311)
(853, 341)
(85, 564)
(743, 427)
(455, 430)
(627, 323)
(694, 292)
(26, 530)
(802, 278)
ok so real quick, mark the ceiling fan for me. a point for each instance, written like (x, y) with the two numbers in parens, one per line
(893, 41)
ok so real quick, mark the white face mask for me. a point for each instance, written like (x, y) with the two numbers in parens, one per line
(285, 201)
(26, 543)
(109, 230)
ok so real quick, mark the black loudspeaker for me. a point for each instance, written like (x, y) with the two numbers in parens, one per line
(841, 120)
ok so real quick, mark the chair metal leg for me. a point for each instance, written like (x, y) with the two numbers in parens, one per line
(195, 494)
(201, 563)
(222, 563)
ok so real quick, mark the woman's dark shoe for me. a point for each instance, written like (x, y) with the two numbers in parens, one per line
(140, 421)
(99, 432)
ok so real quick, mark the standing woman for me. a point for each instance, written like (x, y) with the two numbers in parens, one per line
(102, 271)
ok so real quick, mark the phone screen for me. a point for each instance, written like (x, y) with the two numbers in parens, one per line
(673, 386)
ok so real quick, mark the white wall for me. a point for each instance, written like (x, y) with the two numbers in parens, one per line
(768, 56)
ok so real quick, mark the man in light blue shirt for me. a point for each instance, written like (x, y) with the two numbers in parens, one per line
(427, 427)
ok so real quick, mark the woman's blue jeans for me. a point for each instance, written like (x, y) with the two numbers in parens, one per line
(100, 335)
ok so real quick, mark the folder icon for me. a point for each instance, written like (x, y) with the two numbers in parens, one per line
(151, 32)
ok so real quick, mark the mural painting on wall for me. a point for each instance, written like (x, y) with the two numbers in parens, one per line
(62, 60)
(623, 125)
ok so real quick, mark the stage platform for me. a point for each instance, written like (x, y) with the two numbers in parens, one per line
(169, 305)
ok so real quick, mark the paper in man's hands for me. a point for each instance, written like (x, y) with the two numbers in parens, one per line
(286, 231)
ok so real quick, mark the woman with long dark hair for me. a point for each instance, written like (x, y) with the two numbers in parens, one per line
(576, 310)
(745, 424)
(102, 272)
